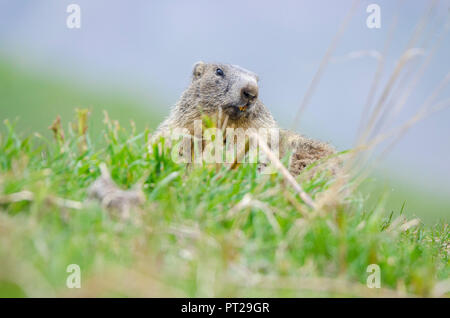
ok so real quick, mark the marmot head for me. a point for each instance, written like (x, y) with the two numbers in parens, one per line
(230, 87)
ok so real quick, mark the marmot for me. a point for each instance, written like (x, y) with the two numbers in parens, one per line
(233, 91)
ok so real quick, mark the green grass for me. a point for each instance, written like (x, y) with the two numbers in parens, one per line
(186, 244)
(36, 98)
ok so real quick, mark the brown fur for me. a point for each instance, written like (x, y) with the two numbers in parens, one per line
(209, 92)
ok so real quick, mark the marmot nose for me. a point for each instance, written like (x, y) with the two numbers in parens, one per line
(249, 93)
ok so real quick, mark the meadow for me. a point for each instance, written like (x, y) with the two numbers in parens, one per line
(206, 231)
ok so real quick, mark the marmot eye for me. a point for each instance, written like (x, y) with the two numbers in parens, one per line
(219, 72)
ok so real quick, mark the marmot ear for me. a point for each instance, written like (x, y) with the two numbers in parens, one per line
(198, 70)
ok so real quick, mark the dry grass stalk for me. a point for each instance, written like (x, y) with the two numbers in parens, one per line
(323, 64)
(284, 171)
(29, 196)
(114, 199)
(57, 130)
(358, 163)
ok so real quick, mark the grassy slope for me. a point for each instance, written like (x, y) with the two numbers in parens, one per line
(419, 202)
(185, 244)
(36, 99)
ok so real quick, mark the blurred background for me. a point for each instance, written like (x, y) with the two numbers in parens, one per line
(134, 58)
